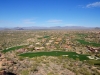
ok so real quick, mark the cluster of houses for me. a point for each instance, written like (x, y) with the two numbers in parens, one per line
(93, 50)
(50, 43)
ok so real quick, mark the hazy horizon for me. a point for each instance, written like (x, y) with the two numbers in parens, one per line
(49, 13)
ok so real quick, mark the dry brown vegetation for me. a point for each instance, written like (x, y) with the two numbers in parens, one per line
(48, 40)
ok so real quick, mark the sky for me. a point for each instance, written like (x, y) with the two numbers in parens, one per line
(48, 13)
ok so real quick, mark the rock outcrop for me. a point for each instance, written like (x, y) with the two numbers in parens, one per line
(6, 73)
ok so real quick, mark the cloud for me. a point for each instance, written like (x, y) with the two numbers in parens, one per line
(70, 24)
(54, 21)
(28, 21)
(80, 6)
(95, 4)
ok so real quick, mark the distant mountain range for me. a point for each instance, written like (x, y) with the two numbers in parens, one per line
(55, 27)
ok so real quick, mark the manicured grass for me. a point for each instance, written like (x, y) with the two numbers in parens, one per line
(12, 48)
(81, 35)
(56, 53)
(46, 36)
(88, 43)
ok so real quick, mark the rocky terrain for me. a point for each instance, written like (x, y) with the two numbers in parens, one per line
(11, 63)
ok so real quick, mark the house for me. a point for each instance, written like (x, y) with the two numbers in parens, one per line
(94, 50)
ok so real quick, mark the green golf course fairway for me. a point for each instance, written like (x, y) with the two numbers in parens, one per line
(73, 55)
(89, 43)
(12, 48)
